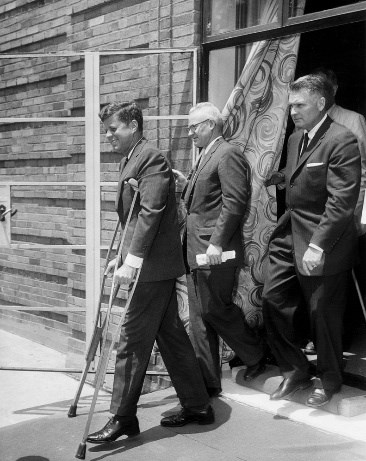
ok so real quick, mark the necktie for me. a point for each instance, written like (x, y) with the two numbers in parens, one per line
(305, 142)
(197, 164)
(188, 192)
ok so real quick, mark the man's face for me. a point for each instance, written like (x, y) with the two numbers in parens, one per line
(200, 128)
(306, 108)
(119, 135)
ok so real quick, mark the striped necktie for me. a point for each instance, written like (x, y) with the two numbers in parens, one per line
(305, 142)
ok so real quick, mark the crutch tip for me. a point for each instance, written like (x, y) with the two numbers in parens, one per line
(72, 411)
(80, 454)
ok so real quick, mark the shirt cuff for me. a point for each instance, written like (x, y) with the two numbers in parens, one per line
(133, 261)
(312, 245)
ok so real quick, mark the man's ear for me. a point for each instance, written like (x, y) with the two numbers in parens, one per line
(212, 124)
(321, 103)
(134, 126)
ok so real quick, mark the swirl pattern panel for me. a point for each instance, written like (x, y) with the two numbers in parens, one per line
(255, 120)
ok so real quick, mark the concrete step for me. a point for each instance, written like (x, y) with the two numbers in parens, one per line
(349, 402)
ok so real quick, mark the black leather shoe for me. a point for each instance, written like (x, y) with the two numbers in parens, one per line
(255, 370)
(114, 429)
(318, 398)
(213, 391)
(187, 416)
(288, 386)
(236, 361)
(270, 359)
(309, 349)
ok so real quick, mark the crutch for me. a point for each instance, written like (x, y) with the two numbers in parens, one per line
(107, 352)
(97, 333)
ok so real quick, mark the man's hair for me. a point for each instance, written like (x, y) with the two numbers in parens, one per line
(125, 111)
(315, 83)
(211, 112)
(330, 75)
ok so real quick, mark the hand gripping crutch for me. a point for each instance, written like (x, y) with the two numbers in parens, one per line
(97, 333)
(107, 351)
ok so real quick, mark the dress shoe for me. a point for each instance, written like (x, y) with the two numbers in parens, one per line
(236, 361)
(114, 429)
(309, 349)
(187, 416)
(213, 391)
(270, 359)
(319, 397)
(288, 386)
(255, 370)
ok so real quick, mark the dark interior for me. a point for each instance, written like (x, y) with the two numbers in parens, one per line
(342, 49)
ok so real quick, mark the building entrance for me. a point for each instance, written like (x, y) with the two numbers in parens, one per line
(343, 49)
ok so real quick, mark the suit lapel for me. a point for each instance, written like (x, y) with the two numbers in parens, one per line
(314, 143)
(126, 167)
(205, 159)
(188, 194)
(131, 161)
(120, 181)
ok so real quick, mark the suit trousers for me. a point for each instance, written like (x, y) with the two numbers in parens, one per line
(286, 293)
(212, 313)
(153, 315)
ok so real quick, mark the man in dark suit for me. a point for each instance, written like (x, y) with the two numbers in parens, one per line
(152, 243)
(312, 248)
(216, 197)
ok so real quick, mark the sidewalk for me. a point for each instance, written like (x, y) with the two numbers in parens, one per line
(31, 395)
(34, 424)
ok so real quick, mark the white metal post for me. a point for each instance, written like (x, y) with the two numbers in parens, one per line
(92, 192)
(194, 95)
(5, 235)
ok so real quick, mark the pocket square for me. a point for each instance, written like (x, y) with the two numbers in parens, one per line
(309, 165)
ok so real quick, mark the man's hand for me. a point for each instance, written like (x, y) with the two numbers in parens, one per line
(132, 182)
(180, 180)
(213, 253)
(274, 179)
(110, 267)
(125, 275)
(311, 260)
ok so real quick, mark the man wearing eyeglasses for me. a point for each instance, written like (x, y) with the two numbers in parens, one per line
(216, 196)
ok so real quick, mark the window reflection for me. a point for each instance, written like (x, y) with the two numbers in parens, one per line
(225, 67)
(312, 6)
(228, 15)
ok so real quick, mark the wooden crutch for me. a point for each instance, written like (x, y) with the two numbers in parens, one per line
(107, 351)
(96, 336)
(104, 360)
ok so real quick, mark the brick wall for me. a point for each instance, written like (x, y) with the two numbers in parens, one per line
(45, 151)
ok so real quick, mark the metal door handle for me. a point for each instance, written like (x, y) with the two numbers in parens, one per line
(4, 212)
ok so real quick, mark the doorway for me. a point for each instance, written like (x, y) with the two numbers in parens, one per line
(342, 49)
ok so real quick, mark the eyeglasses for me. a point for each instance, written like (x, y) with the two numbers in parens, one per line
(193, 128)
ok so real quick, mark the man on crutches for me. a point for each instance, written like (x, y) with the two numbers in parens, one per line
(152, 246)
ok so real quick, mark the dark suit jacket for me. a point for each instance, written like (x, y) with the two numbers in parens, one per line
(216, 199)
(321, 193)
(153, 232)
